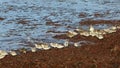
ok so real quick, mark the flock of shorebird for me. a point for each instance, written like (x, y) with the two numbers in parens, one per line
(99, 33)
(4, 53)
(46, 46)
(39, 46)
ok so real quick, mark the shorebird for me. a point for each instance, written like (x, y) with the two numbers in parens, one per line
(45, 46)
(109, 30)
(113, 27)
(13, 53)
(79, 30)
(118, 27)
(3, 54)
(100, 36)
(92, 31)
(23, 50)
(66, 43)
(60, 46)
(71, 34)
(106, 30)
(102, 32)
(91, 28)
(38, 46)
(77, 44)
(54, 45)
(33, 49)
(92, 34)
(85, 33)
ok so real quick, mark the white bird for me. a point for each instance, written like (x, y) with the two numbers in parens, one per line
(85, 33)
(71, 34)
(100, 36)
(59, 46)
(92, 34)
(101, 32)
(118, 27)
(33, 49)
(38, 46)
(110, 30)
(13, 53)
(66, 43)
(3, 54)
(113, 27)
(45, 46)
(54, 45)
(91, 29)
(23, 50)
(79, 30)
(77, 44)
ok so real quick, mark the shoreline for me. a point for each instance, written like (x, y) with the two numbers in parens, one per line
(104, 53)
